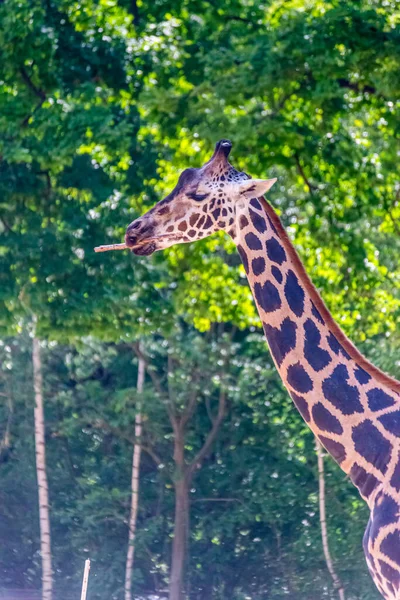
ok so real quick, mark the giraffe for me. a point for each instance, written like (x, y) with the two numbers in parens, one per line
(351, 406)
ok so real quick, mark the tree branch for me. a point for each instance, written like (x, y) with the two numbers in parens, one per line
(157, 384)
(171, 406)
(366, 89)
(171, 393)
(240, 19)
(211, 435)
(6, 225)
(46, 174)
(191, 405)
(300, 170)
(208, 409)
(216, 423)
(217, 500)
(37, 91)
(134, 10)
(28, 117)
(101, 424)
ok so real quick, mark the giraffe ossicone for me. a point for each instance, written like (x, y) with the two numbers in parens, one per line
(350, 405)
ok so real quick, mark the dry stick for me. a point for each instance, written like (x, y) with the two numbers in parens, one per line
(111, 247)
(85, 579)
(135, 486)
(106, 248)
(322, 517)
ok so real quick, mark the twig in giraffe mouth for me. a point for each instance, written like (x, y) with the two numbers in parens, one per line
(110, 247)
(123, 246)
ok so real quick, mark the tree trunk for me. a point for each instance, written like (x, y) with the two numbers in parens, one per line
(5, 443)
(43, 490)
(180, 539)
(322, 517)
(135, 487)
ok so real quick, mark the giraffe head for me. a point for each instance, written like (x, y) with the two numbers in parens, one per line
(204, 200)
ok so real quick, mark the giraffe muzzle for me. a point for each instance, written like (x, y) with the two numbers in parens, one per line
(139, 233)
(142, 241)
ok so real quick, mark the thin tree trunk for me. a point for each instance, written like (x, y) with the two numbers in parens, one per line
(322, 517)
(135, 487)
(179, 544)
(5, 442)
(43, 490)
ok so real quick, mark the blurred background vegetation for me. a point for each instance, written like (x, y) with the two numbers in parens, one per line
(102, 104)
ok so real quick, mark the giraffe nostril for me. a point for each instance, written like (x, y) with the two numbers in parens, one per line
(131, 235)
(130, 239)
(137, 232)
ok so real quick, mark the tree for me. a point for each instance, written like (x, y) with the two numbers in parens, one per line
(135, 485)
(43, 490)
(180, 394)
(301, 93)
(322, 518)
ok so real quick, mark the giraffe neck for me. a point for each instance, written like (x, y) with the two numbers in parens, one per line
(350, 405)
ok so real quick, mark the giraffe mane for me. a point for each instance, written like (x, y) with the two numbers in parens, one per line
(355, 354)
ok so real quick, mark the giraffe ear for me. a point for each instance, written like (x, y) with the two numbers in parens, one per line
(255, 188)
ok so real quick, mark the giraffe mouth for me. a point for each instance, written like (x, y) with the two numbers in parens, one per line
(144, 249)
(150, 245)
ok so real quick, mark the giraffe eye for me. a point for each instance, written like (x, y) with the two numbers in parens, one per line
(198, 197)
